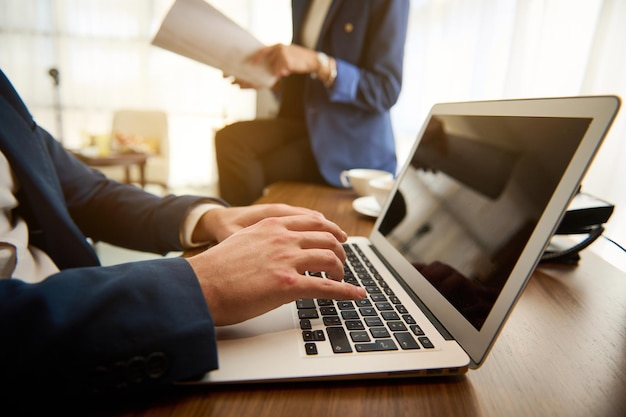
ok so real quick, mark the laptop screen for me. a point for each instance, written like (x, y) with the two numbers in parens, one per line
(471, 196)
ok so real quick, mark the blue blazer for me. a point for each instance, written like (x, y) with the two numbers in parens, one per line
(350, 123)
(90, 327)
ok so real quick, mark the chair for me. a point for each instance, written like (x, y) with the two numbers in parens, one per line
(142, 131)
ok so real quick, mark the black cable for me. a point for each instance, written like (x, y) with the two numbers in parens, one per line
(570, 254)
(614, 242)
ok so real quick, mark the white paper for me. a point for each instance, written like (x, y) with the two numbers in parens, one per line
(195, 29)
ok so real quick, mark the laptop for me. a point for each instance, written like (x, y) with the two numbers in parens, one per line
(472, 210)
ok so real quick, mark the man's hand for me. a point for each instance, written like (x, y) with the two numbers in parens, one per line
(261, 267)
(217, 224)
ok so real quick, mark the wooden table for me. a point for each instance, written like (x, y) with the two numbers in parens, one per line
(562, 353)
(118, 159)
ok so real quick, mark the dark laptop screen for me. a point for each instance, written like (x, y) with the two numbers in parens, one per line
(474, 191)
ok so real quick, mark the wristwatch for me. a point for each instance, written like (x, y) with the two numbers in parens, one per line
(325, 62)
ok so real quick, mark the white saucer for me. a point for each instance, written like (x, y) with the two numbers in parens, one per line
(367, 206)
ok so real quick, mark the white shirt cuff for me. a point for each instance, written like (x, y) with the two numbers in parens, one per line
(191, 221)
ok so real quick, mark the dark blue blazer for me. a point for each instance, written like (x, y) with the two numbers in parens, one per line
(90, 327)
(350, 123)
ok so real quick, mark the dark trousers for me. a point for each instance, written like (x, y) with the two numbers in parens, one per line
(253, 154)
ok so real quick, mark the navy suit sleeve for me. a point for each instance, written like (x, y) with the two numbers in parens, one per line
(90, 328)
(120, 214)
(99, 329)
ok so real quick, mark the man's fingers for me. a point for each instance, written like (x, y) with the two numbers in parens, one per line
(313, 287)
(321, 260)
(280, 210)
(314, 223)
(323, 240)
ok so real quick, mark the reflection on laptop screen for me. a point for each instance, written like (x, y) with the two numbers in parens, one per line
(471, 197)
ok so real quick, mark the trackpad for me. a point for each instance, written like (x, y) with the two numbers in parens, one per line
(277, 320)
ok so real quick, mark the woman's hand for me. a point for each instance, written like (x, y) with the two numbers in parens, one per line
(283, 60)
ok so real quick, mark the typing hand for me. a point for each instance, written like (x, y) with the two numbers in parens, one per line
(218, 224)
(261, 267)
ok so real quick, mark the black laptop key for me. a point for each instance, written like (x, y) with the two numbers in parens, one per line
(396, 326)
(406, 341)
(364, 303)
(379, 333)
(354, 325)
(305, 324)
(360, 336)
(331, 321)
(408, 319)
(349, 315)
(417, 330)
(426, 342)
(338, 340)
(372, 289)
(367, 311)
(394, 299)
(308, 313)
(310, 348)
(401, 309)
(390, 315)
(358, 266)
(328, 311)
(377, 345)
(373, 321)
(384, 306)
(313, 335)
(345, 305)
(305, 303)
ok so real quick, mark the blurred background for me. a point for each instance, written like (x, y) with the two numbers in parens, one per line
(76, 62)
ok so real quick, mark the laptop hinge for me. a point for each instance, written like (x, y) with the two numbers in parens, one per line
(438, 325)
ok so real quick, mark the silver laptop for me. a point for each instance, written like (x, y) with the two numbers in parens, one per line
(473, 209)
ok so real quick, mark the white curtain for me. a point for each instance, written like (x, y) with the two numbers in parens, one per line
(456, 50)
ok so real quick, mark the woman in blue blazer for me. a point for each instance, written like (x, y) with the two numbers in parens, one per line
(89, 328)
(336, 91)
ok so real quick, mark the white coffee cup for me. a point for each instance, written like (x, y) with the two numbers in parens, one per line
(358, 179)
(380, 188)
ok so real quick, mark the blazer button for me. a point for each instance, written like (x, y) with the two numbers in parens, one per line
(348, 27)
(156, 365)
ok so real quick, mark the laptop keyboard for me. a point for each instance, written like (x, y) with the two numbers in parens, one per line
(377, 323)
